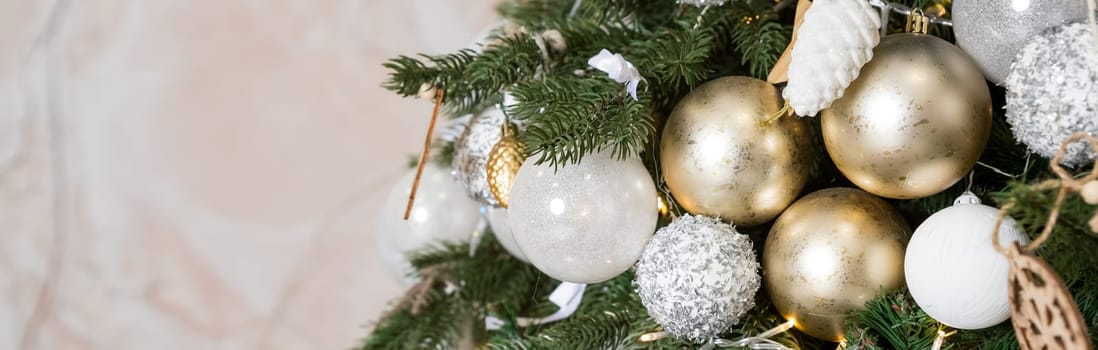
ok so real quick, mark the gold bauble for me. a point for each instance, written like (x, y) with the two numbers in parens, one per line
(504, 161)
(828, 254)
(915, 120)
(719, 159)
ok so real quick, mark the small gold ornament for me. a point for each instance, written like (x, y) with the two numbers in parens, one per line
(718, 159)
(503, 163)
(828, 254)
(914, 122)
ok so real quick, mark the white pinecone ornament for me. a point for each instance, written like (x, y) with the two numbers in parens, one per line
(834, 41)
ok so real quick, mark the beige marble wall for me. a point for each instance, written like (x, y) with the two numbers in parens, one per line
(203, 174)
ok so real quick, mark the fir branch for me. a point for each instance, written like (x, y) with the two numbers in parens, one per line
(569, 117)
(533, 14)
(464, 289)
(1070, 249)
(409, 75)
(892, 321)
(608, 330)
(675, 62)
(760, 39)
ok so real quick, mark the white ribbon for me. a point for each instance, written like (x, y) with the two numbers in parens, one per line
(758, 342)
(567, 296)
(940, 339)
(618, 69)
(754, 343)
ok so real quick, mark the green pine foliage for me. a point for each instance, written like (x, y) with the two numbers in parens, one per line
(576, 110)
(892, 321)
(571, 110)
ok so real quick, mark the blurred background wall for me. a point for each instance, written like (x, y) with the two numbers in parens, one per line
(204, 174)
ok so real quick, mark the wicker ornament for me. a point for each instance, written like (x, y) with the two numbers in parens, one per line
(503, 163)
(834, 41)
(1044, 314)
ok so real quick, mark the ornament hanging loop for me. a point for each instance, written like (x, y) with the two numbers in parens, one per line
(777, 115)
(505, 130)
(1067, 184)
(1064, 175)
(917, 22)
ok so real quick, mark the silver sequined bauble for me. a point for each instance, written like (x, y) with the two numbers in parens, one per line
(993, 31)
(697, 277)
(471, 154)
(1052, 92)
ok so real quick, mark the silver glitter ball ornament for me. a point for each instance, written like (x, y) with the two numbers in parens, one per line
(471, 154)
(992, 31)
(697, 277)
(1052, 92)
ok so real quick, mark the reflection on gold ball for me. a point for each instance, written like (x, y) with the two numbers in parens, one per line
(914, 122)
(829, 253)
(719, 160)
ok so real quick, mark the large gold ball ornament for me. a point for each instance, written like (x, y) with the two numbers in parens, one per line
(719, 159)
(828, 254)
(914, 122)
(504, 161)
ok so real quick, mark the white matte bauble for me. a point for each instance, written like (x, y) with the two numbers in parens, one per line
(585, 222)
(501, 227)
(442, 212)
(953, 270)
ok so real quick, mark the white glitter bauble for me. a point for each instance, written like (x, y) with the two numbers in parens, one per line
(953, 270)
(697, 277)
(993, 31)
(442, 212)
(471, 154)
(497, 219)
(394, 262)
(834, 41)
(585, 222)
(1052, 92)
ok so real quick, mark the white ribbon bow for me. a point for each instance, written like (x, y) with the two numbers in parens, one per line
(567, 296)
(619, 70)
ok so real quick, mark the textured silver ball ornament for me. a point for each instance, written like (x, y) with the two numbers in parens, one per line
(1052, 92)
(697, 277)
(993, 31)
(471, 154)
